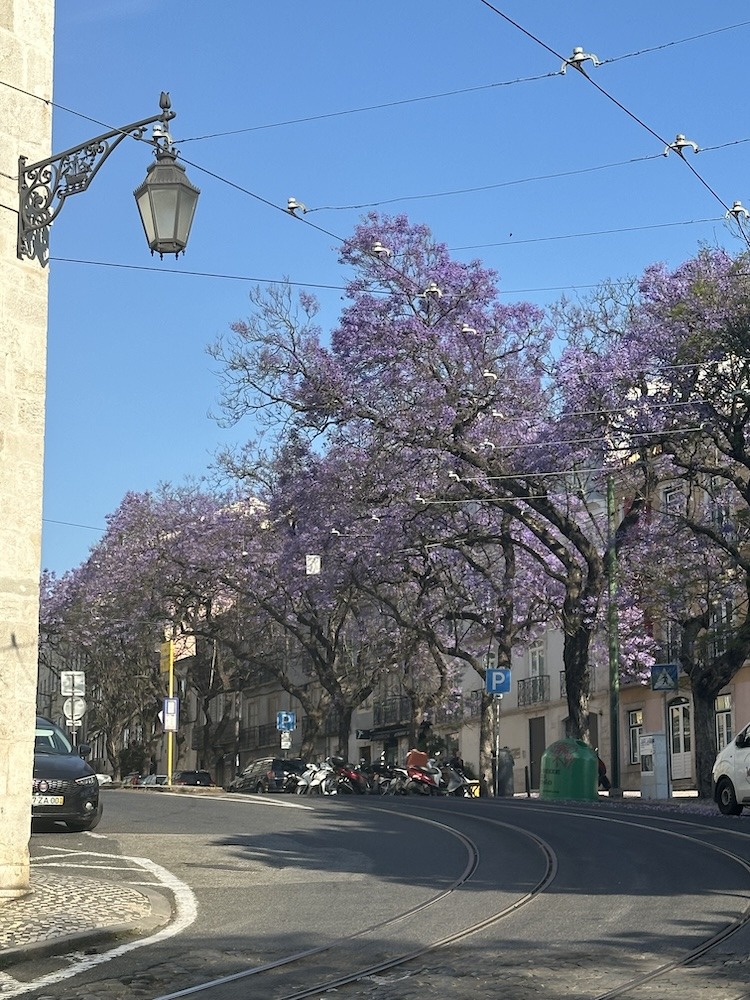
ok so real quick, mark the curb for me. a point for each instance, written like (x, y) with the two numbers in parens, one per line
(159, 916)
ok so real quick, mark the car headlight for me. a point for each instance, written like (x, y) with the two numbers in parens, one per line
(89, 779)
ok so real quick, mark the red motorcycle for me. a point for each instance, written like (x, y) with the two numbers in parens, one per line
(425, 777)
(349, 779)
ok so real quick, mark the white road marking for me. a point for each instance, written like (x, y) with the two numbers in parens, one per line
(186, 907)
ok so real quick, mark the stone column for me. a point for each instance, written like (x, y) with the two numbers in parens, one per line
(26, 45)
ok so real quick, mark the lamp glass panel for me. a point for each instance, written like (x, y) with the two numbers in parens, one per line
(188, 201)
(164, 202)
(143, 201)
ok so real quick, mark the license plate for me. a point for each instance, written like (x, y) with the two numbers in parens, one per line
(47, 800)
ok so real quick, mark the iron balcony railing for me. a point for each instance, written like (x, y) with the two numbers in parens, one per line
(391, 711)
(533, 690)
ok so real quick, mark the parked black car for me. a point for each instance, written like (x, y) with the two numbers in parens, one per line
(269, 774)
(64, 786)
(192, 778)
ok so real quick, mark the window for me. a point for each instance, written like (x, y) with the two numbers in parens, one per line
(536, 658)
(673, 501)
(673, 642)
(720, 625)
(635, 724)
(723, 709)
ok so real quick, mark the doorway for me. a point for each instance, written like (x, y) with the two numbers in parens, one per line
(680, 739)
(537, 743)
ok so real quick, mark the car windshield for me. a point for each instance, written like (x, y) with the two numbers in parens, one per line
(50, 739)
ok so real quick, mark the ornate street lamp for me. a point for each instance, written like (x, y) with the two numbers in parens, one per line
(166, 200)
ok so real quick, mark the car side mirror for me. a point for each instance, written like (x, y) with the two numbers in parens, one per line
(84, 750)
(741, 740)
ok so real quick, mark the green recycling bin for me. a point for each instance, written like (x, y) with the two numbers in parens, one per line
(570, 770)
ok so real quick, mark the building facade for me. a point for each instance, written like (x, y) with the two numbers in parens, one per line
(26, 37)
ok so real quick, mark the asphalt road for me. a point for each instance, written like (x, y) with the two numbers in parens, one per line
(273, 875)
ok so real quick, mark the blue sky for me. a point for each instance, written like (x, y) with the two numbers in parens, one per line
(269, 99)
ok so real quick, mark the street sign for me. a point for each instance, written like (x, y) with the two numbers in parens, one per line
(286, 721)
(74, 708)
(72, 682)
(171, 716)
(286, 741)
(497, 681)
(166, 657)
(664, 676)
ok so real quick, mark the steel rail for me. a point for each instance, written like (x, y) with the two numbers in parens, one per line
(550, 871)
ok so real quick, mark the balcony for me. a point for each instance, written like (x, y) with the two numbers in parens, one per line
(391, 711)
(533, 690)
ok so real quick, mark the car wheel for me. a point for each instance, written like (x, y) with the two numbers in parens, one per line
(726, 799)
(81, 826)
(259, 788)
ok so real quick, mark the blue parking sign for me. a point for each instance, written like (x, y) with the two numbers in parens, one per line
(286, 721)
(497, 681)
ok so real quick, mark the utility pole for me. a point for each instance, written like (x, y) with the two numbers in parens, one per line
(613, 640)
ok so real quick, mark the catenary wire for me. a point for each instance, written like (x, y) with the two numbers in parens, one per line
(389, 104)
(616, 102)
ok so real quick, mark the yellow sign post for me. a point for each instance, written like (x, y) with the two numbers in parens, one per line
(167, 667)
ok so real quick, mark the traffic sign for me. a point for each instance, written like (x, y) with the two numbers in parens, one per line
(497, 681)
(72, 682)
(286, 721)
(74, 708)
(171, 716)
(286, 741)
(664, 676)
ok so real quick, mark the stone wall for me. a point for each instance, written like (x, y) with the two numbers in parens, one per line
(26, 44)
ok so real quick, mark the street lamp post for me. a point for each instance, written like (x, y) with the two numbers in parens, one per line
(166, 199)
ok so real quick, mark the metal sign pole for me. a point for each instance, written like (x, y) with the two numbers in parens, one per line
(498, 703)
(73, 730)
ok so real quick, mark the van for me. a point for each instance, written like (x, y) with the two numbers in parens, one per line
(731, 774)
(269, 774)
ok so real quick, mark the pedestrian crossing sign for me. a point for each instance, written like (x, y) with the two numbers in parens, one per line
(664, 676)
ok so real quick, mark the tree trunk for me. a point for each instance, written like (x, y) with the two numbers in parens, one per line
(704, 699)
(345, 727)
(577, 680)
(487, 742)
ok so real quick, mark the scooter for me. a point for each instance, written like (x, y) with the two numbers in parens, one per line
(305, 779)
(396, 781)
(350, 778)
(324, 781)
(455, 782)
(424, 774)
(378, 775)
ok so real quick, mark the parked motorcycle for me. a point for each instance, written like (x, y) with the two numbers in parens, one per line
(378, 775)
(325, 780)
(314, 779)
(455, 782)
(395, 783)
(350, 778)
(303, 781)
(424, 775)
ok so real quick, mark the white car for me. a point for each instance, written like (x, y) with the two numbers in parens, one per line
(104, 779)
(731, 774)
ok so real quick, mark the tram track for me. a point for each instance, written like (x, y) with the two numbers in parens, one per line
(266, 980)
(655, 981)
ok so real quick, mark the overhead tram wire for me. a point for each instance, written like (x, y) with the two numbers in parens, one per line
(340, 239)
(372, 107)
(452, 93)
(619, 104)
